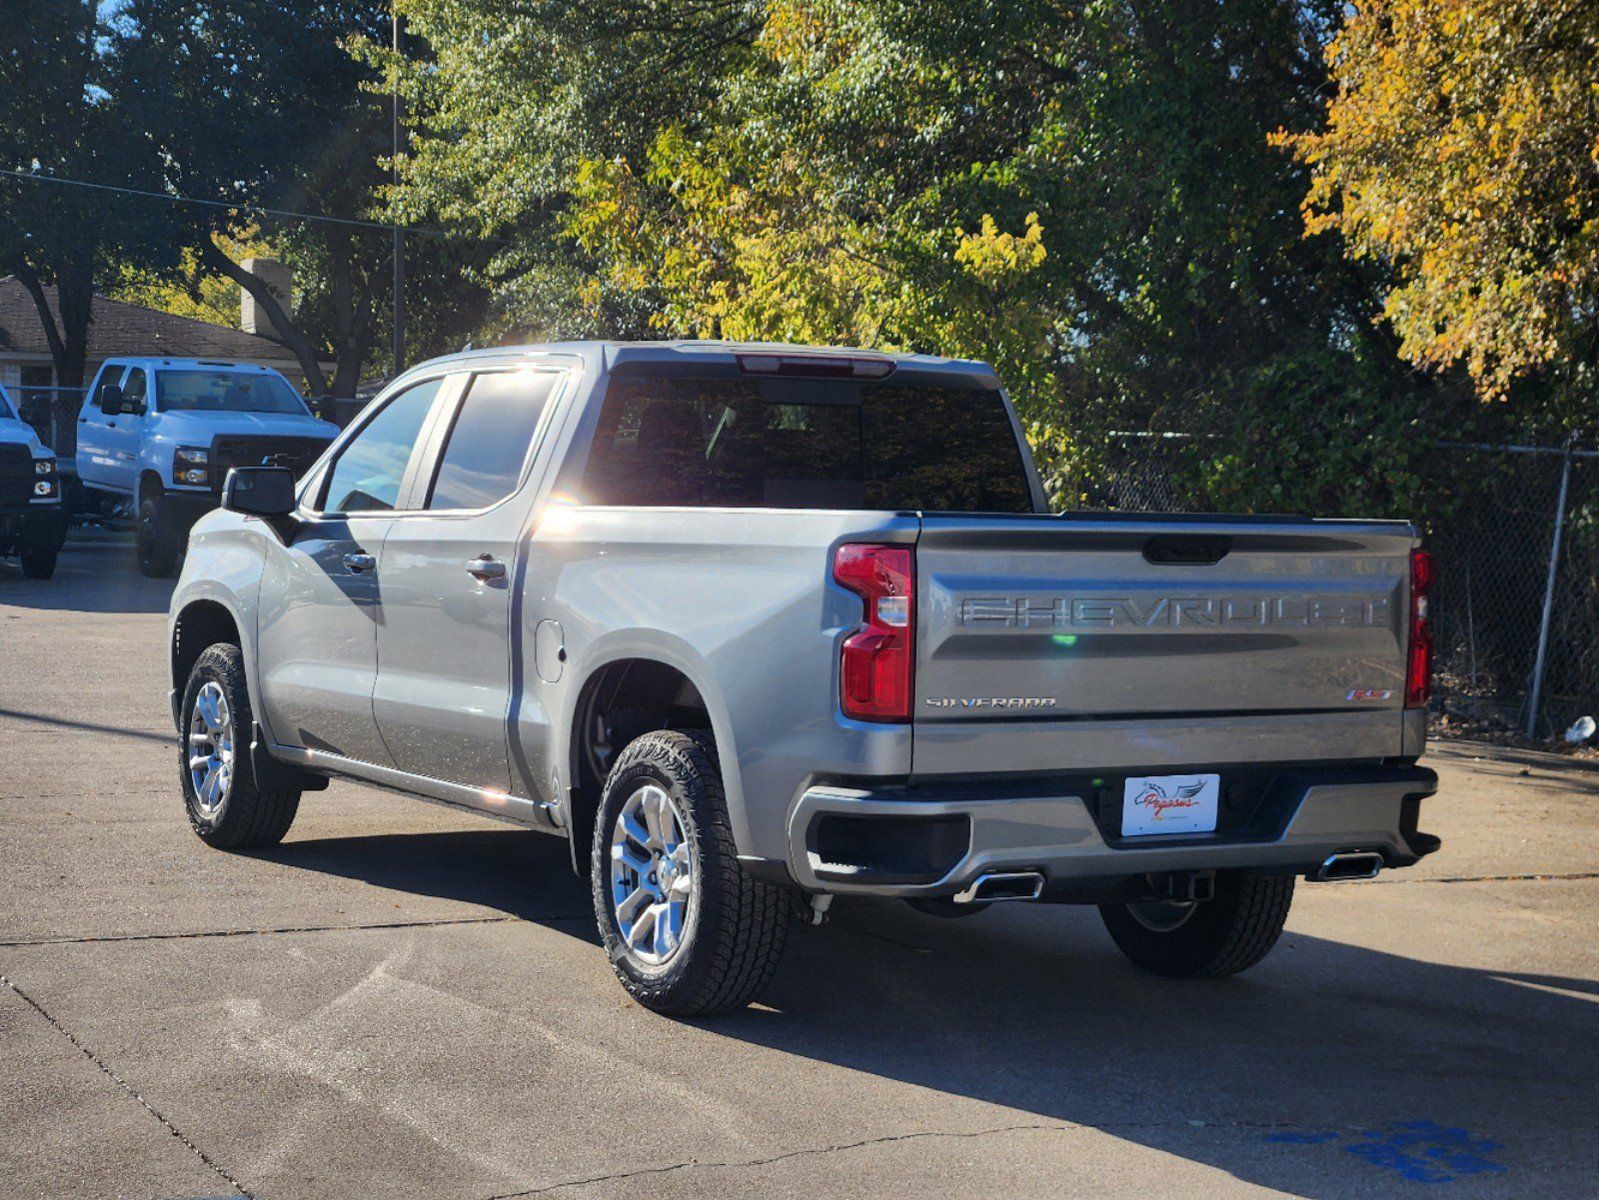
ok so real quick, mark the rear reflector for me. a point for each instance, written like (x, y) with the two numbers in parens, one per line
(877, 660)
(1418, 667)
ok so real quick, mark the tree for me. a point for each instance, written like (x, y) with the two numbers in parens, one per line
(1081, 192)
(65, 113)
(1462, 150)
(255, 102)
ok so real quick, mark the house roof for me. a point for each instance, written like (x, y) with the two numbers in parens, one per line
(119, 329)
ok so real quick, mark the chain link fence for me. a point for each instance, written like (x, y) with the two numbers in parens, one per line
(1516, 603)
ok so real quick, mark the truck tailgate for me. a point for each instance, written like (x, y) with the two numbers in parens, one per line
(1231, 622)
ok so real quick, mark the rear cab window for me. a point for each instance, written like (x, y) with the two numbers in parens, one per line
(804, 443)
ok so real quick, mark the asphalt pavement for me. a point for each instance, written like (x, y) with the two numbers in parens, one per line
(402, 1001)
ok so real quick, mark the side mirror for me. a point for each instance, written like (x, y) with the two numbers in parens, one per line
(111, 399)
(259, 491)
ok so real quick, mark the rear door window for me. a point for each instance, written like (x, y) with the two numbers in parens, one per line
(804, 443)
(490, 439)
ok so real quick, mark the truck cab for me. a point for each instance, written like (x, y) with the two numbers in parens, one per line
(159, 435)
(32, 525)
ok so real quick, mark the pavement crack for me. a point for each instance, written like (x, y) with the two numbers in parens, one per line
(926, 1134)
(803, 1152)
(127, 1087)
(90, 939)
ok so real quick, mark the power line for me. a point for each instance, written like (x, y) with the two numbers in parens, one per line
(261, 210)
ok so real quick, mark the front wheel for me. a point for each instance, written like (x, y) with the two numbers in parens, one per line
(39, 561)
(157, 540)
(688, 931)
(225, 807)
(1206, 939)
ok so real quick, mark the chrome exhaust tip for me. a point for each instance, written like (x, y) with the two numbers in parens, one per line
(1349, 865)
(1002, 885)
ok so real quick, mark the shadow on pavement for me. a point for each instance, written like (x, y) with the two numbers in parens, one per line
(518, 872)
(91, 576)
(98, 728)
(1330, 1070)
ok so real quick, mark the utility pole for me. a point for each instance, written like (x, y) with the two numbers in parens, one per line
(398, 348)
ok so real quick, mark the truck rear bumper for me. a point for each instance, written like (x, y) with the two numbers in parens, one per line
(935, 842)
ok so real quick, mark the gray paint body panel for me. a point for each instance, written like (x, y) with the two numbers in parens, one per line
(741, 603)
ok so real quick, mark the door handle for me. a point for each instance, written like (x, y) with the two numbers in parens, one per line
(360, 562)
(485, 567)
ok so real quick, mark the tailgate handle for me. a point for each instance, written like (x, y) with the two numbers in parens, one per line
(1186, 549)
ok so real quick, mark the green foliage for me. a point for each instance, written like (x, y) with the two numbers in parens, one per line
(1082, 193)
(67, 109)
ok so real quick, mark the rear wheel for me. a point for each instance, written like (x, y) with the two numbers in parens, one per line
(157, 538)
(1207, 939)
(689, 932)
(225, 807)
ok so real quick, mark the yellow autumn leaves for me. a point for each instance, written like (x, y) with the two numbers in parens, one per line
(1462, 150)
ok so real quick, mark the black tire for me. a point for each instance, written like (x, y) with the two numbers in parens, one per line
(1221, 936)
(737, 925)
(246, 816)
(157, 539)
(39, 560)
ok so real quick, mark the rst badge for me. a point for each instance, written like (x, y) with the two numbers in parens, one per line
(1369, 695)
(1170, 804)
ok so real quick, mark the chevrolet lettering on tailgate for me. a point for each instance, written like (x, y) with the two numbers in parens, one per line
(1173, 612)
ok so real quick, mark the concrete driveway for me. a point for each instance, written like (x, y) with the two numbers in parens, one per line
(400, 1001)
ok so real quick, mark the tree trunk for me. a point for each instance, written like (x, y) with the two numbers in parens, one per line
(66, 332)
(352, 311)
(293, 337)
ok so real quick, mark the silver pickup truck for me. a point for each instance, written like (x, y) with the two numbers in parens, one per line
(755, 626)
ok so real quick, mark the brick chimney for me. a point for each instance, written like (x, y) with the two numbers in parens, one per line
(280, 282)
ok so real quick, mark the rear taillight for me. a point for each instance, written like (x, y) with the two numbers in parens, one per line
(1418, 667)
(876, 663)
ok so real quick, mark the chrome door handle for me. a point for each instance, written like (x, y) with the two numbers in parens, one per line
(360, 562)
(485, 567)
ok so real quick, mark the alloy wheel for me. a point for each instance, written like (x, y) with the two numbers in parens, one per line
(211, 749)
(653, 867)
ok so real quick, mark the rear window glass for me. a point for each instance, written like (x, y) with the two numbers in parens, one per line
(804, 443)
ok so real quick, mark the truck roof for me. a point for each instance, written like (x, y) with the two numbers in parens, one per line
(612, 353)
(157, 360)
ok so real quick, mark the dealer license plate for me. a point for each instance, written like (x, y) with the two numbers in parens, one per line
(1170, 804)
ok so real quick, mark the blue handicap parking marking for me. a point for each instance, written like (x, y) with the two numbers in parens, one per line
(1419, 1151)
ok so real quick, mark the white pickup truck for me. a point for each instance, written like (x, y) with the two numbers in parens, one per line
(161, 433)
(755, 626)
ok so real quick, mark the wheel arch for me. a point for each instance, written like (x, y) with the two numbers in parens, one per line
(621, 697)
(204, 612)
(198, 624)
